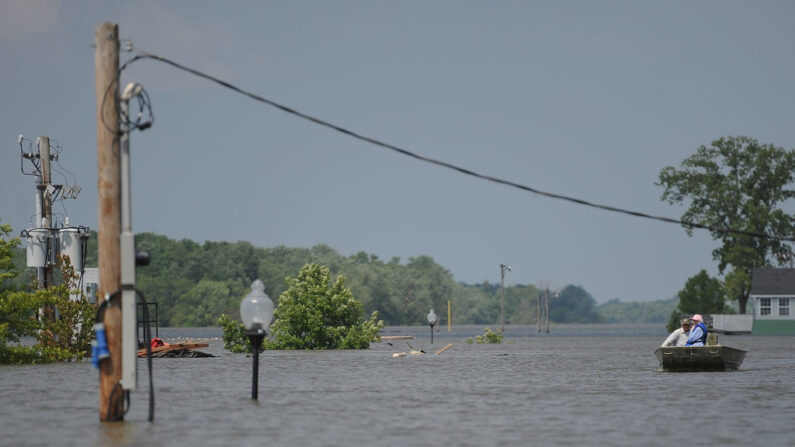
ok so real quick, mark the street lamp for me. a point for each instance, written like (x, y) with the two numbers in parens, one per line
(432, 320)
(256, 311)
(503, 268)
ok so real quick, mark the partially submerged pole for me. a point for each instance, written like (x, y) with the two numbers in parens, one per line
(502, 297)
(547, 309)
(449, 316)
(46, 208)
(106, 68)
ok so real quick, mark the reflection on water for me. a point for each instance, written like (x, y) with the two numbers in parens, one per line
(580, 384)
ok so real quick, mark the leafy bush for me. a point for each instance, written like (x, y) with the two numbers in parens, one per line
(7, 247)
(63, 330)
(489, 336)
(315, 313)
(235, 339)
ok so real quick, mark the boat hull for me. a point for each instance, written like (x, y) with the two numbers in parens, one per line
(699, 358)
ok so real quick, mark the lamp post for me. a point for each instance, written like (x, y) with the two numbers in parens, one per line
(503, 268)
(256, 311)
(432, 320)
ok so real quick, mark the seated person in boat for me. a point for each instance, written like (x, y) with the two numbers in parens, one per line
(679, 336)
(698, 335)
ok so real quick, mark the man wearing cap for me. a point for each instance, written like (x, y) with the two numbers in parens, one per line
(679, 336)
(698, 335)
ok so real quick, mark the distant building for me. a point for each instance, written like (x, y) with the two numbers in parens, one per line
(773, 295)
(731, 324)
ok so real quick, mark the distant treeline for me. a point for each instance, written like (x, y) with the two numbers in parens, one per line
(195, 283)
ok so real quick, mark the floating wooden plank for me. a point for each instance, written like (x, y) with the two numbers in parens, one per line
(444, 349)
(173, 347)
(397, 337)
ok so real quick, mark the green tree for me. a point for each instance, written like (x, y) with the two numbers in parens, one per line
(316, 313)
(520, 304)
(7, 252)
(67, 333)
(203, 303)
(63, 331)
(16, 309)
(573, 305)
(477, 304)
(701, 294)
(615, 311)
(194, 283)
(426, 285)
(737, 183)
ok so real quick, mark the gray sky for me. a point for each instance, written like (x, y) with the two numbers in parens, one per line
(587, 99)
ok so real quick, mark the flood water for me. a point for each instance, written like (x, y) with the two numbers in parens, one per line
(578, 385)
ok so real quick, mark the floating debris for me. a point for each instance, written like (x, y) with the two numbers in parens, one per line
(162, 349)
(444, 349)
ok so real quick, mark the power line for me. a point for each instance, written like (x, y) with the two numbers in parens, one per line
(147, 55)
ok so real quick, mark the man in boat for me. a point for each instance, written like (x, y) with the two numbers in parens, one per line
(679, 336)
(698, 335)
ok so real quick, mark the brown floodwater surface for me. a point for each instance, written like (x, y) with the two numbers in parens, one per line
(578, 385)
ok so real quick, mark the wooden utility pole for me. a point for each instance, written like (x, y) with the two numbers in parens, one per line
(503, 267)
(547, 309)
(538, 311)
(106, 68)
(46, 205)
(449, 316)
(502, 298)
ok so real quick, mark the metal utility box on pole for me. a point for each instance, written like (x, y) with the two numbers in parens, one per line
(106, 69)
(129, 313)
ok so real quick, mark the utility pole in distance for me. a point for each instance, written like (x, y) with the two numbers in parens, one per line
(106, 68)
(547, 308)
(538, 310)
(503, 268)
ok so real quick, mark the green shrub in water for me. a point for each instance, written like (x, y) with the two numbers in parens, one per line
(313, 313)
(488, 336)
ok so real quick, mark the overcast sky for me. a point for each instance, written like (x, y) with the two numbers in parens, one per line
(581, 98)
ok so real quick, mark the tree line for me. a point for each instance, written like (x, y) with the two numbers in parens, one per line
(735, 188)
(194, 283)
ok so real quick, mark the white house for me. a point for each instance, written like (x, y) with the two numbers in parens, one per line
(773, 295)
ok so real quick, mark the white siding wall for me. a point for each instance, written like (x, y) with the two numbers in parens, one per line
(774, 307)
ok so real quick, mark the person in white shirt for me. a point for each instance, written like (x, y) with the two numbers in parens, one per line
(679, 336)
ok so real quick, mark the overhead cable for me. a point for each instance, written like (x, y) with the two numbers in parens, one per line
(147, 55)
